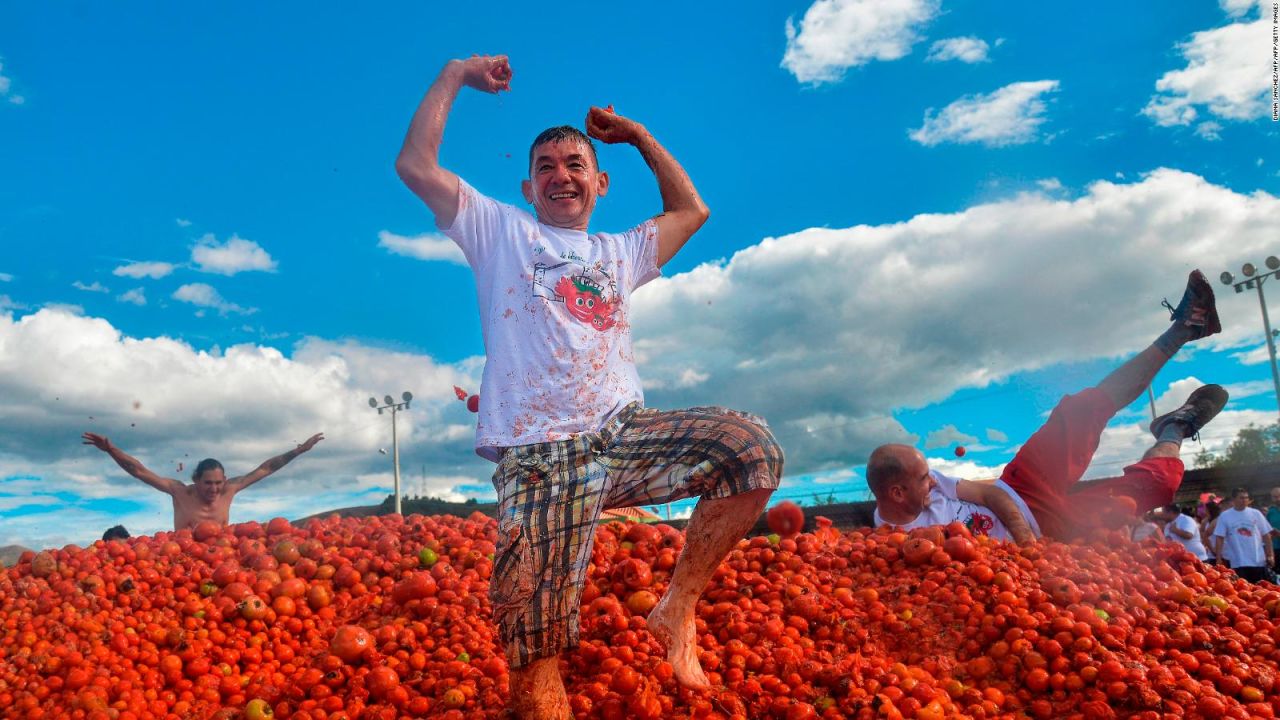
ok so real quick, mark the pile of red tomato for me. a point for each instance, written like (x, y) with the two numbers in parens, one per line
(387, 617)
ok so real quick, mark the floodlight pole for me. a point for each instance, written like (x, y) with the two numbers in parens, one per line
(394, 407)
(1255, 282)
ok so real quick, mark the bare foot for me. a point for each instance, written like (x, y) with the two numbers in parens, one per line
(537, 692)
(679, 637)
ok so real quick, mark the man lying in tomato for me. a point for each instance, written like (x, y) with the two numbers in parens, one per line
(210, 494)
(1034, 495)
(561, 405)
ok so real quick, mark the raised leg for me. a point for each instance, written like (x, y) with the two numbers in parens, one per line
(716, 526)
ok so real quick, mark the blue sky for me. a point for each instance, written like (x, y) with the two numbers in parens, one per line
(929, 220)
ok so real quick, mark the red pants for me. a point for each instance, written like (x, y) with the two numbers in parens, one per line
(1046, 469)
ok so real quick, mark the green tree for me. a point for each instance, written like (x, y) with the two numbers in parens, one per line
(1253, 445)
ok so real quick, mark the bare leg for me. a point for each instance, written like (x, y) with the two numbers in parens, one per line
(1163, 449)
(716, 526)
(537, 692)
(1128, 381)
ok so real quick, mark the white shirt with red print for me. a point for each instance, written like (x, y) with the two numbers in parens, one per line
(946, 507)
(1242, 533)
(554, 312)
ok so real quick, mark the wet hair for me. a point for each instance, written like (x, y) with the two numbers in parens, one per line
(115, 532)
(1238, 491)
(204, 466)
(884, 468)
(559, 134)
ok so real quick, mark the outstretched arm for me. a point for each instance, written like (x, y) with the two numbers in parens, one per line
(683, 211)
(274, 464)
(419, 162)
(131, 465)
(998, 502)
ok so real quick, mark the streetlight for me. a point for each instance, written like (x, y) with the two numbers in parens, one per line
(394, 407)
(1254, 280)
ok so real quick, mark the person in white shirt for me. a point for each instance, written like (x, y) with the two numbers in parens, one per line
(1036, 494)
(561, 406)
(1243, 538)
(1182, 529)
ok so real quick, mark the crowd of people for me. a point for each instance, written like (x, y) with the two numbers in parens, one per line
(1229, 532)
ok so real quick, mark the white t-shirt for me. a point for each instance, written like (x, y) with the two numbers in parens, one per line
(1193, 544)
(1243, 532)
(945, 507)
(554, 312)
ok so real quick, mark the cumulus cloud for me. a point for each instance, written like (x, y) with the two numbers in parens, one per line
(137, 270)
(135, 296)
(1226, 72)
(1011, 115)
(946, 436)
(6, 277)
(998, 436)
(964, 49)
(182, 222)
(6, 88)
(816, 332)
(166, 402)
(96, 287)
(428, 246)
(835, 35)
(1209, 130)
(236, 255)
(205, 296)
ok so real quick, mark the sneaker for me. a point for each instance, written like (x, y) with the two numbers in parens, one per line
(1201, 406)
(1197, 309)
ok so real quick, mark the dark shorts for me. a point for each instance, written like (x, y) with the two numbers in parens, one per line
(1046, 469)
(550, 496)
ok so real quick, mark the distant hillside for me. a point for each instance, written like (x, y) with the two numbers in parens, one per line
(412, 506)
(9, 554)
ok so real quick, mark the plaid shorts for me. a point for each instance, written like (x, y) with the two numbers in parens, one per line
(550, 496)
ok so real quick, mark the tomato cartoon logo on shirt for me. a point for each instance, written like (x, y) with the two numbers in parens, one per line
(586, 302)
(980, 524)
(1246, 532)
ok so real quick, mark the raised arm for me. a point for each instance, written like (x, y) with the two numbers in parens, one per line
(683, 211)
(419, 162)
(998, 502)
(274, 464)
(131, 465)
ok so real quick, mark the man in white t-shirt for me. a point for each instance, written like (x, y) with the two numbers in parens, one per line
(1037, 492)
(561, 403)
(1242, 537)
(1182, 529)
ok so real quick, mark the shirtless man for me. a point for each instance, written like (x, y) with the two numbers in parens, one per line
(209, 496)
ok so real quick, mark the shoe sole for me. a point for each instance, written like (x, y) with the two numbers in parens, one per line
(1217, 396)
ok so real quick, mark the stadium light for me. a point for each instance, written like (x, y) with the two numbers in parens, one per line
(1254, 281)
(394, 407)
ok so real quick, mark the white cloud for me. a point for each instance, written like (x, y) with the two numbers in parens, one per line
(835, 35)
(205, 296)
(182, 222)
(95, 287)
(153, 270)
(1209, 130)
(815, 331)
(1049, 184)
(7, 303)
(964, 49)
(236, 255)
(135, 296)
(946, 436)
(6, 277)
(428, 246)
(998, 436)
(1011, 115)
(6, 89)
(1227, 72)
(166, 402)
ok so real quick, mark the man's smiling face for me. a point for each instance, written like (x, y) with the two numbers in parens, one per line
(564, 183)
